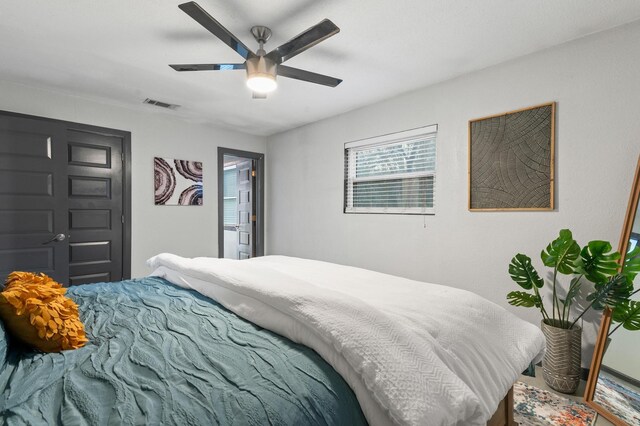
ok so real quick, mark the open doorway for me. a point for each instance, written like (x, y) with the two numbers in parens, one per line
(240, 204)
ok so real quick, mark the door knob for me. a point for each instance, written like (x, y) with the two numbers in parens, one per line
(57, 238)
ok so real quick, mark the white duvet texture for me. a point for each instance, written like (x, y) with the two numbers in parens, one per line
(414, 353)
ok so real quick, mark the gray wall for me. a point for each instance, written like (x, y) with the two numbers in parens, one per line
(595, 82)
(185, 230)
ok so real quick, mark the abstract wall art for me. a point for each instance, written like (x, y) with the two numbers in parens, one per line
(511, 160)
(177, 182)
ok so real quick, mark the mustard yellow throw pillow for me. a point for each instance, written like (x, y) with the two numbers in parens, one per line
(36, 311)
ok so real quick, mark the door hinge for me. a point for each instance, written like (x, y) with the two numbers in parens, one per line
(122, 218)
(122, 157)
(253, 173)
(254, 218)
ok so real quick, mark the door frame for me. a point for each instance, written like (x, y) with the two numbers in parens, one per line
(126, 175)
(259, 234)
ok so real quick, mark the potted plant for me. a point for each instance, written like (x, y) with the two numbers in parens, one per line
(612, 287)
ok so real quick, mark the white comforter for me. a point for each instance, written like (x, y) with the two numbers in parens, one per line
(414, 353)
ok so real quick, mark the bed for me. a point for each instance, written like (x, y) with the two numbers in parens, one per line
(274, 340)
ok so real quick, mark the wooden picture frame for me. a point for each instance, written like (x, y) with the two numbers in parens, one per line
(601, 341)
(507, 125)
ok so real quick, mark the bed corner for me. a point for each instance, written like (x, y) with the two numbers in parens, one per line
(504, 414)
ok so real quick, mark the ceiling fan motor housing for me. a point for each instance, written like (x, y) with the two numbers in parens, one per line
(261, 66)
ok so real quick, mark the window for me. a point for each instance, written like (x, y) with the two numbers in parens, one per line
(230, 196)
(394, 173)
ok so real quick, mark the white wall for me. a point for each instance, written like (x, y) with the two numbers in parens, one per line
(189, 231)
(595, 82)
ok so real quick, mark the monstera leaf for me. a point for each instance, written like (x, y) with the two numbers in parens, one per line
(614, 292)
(628, 314)
(631, 266)
(574, 289)
(524, 299)
(523, 272)
(597, 262)
(561, 253)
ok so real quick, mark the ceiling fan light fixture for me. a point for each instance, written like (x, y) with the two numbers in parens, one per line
(262, 83)
(261, 74)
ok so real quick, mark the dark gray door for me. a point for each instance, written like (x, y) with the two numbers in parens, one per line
(33, 190)
(61, 200)
(95, 187)
(245, 209)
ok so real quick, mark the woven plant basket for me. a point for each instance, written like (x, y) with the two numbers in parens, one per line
(562, 359)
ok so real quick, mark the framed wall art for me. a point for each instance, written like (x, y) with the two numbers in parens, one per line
(177, 182)
(511, 160)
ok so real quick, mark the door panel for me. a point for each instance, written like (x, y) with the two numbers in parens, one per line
(89, 155)
(26, 221)
(89, 187)
(17, 182)
(33, 197)
(95, 206)
(36, 259)
(245, 209)
(92, 278)
(90, 219)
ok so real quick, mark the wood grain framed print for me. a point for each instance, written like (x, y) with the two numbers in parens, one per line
(511, 160)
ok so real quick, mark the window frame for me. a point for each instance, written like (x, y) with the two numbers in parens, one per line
(350, 150)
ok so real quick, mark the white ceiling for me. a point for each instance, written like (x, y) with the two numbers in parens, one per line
(118, 50)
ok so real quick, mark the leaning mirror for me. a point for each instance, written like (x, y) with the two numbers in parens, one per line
(613, 388)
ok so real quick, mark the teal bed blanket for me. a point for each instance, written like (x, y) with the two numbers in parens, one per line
(159, 354)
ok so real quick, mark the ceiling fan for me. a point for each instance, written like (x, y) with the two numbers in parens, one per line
(262, 68)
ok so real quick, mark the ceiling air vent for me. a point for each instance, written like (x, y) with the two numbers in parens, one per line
(160, 104)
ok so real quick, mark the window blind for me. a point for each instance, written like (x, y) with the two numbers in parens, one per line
(230, 196)
(393, 173)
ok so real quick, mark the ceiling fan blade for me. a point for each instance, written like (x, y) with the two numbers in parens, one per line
(207, 67)
(194, 10)
(304, 41)
(311, 77)
(257, 95)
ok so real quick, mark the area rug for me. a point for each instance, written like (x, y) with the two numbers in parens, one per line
(618, 399)
(538, 407)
